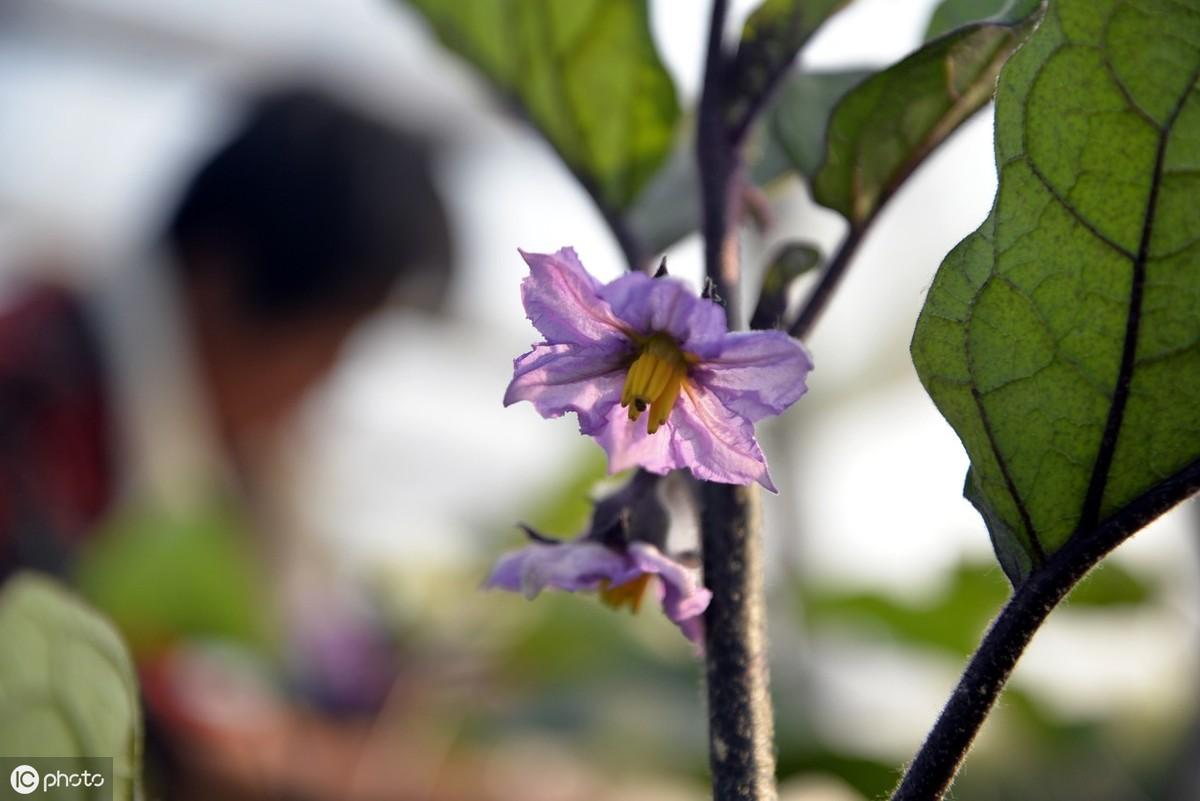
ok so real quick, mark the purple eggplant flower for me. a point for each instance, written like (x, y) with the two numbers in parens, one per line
(621, 577)
(648, 345)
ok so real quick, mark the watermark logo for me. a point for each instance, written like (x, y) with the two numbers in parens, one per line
(24, 779)
(57, 778)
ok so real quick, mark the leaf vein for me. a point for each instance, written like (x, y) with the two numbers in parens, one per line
(1093, 500)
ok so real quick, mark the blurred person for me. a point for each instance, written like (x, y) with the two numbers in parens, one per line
(133, 416)
(160, 383)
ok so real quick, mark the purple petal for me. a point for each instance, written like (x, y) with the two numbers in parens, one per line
(757, 373)
(570, 566)
(683, 599)
(506, 575)
(649, 305)
(563, 301)
(701, 435)
(628, 445)
(715, 443)
(570, 378)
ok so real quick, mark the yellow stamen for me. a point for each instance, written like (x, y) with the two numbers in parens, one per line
(661, 408)
(655, 379)
(628, 594)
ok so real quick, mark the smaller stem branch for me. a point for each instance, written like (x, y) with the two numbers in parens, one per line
(818, 298)
(931, 772)
(755, 105)
(631, 247)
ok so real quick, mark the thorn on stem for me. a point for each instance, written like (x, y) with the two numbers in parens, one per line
(710, 292)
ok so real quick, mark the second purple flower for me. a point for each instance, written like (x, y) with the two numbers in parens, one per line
(652, 371)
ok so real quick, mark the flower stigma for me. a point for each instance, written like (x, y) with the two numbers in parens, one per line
(628, 594)
(655, 379)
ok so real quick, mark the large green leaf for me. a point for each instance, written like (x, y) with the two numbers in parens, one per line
(584, 71)
(1062, 339)
(883, 129)
(771, 38)
(67, 685)
(952, 14)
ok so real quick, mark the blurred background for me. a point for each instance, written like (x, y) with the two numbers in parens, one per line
(286, 489)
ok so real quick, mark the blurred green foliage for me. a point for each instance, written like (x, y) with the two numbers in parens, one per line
(161, 578)
(953, 618)
(67, 684)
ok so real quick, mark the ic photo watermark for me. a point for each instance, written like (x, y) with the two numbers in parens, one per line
(57, 778)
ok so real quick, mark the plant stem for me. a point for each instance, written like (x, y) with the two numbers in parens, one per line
(930, 774)
(631, 247)
(823, 290)
(741, 730)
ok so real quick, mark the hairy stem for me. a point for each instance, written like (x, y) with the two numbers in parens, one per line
(930, 774)
(741, 730)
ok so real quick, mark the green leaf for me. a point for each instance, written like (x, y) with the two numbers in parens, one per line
(160, 577)
(1110, 586)
(771, 38)
(668, 209)
(796, 121)
(953, 619)
(585, 72)
(791, 138)
(953, 14)
(1062, 338)
(67, 685)
(788, 263)
(950, 620)
(883, 129)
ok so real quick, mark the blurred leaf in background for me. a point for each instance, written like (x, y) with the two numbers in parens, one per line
(953, 619)
(161, 579)
(67, 684)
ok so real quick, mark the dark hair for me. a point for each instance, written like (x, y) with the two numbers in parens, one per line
(315, 206)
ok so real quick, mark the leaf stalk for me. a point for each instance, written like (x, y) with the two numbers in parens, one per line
(930, 774)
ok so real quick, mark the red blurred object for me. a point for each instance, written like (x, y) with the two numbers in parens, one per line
(56, 461)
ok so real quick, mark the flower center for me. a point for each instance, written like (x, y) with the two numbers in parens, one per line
(655, 379)
(628, 594)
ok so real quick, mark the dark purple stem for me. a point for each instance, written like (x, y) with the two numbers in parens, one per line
(929, 775)
(741, 729)
(818, 298)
